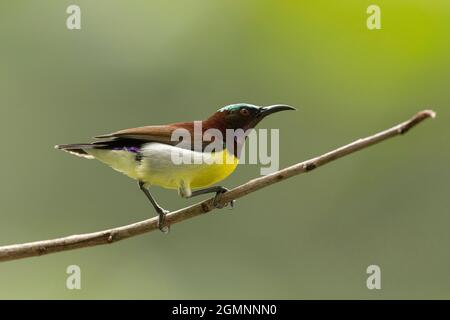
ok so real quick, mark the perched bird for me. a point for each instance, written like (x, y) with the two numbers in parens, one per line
(146, 154)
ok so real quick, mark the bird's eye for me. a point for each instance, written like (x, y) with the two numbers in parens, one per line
(245, 112)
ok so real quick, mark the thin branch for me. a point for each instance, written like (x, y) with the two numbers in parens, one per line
(18, 251)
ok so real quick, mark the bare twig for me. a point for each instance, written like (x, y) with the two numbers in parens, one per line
(18, 251)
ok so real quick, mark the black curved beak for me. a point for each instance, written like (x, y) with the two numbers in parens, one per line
(265, 111)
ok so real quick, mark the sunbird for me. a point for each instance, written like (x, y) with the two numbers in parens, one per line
(146, 154)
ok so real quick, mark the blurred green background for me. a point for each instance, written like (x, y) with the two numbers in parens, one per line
(152, 62)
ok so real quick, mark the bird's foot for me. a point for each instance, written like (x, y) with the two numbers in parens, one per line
(217, 199)
(161, 221)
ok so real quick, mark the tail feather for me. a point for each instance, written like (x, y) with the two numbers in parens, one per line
(79, 149)
(76, 149)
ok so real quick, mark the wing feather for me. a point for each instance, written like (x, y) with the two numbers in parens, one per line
(150, 133)
(162, 134)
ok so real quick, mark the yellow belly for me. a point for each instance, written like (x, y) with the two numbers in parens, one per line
(211, 174)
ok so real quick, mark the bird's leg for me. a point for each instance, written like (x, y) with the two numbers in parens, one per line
(161, 212)
(217, 189)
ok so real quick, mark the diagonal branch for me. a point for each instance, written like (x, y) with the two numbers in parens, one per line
(37, 248)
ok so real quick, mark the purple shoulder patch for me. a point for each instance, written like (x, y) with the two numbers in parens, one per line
(129, 149)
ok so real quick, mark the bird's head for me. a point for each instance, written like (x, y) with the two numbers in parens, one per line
(243, 115)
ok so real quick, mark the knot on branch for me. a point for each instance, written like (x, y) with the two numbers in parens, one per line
(111, 237)
(309, 166)
(206, 207)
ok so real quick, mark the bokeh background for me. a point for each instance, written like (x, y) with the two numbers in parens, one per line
(152, 62)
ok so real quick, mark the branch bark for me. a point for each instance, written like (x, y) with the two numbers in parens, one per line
(38, 248)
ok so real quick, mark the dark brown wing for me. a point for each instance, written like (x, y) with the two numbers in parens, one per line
(161, 134)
